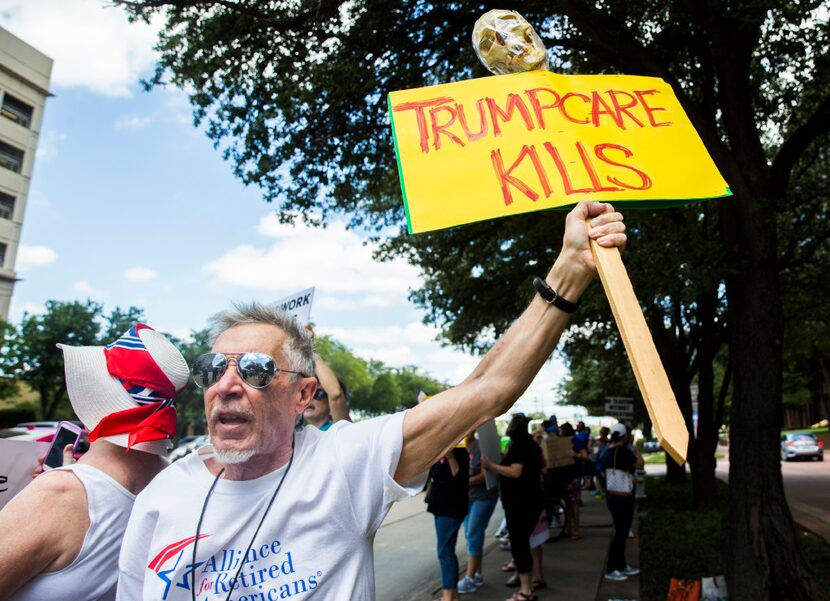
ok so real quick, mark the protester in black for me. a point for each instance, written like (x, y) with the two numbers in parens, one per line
(621, 505)
(447, 501)
(520, 479)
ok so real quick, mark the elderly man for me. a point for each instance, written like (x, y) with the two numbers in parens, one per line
(268, 512)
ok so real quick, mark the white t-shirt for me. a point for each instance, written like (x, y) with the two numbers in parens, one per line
(316, 542)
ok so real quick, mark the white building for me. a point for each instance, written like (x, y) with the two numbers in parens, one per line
(24, 87)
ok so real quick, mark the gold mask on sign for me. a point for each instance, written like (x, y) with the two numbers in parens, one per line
(505, 43)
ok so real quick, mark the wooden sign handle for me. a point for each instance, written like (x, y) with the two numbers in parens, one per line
(648, 369)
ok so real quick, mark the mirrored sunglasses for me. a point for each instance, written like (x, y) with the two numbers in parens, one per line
(320, 394)
(256, 369)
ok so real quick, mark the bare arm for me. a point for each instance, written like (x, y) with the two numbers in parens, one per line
(514, 470)
(434, 426)
(338, 403)
(477, 480)
(639, 463)
(453, 463)
(50, 542)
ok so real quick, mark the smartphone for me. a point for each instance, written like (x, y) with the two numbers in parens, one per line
(66, 433)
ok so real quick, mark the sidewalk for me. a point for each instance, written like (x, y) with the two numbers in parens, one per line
(573, 569)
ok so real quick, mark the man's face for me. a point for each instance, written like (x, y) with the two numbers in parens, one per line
(318, 408)
(248, 421)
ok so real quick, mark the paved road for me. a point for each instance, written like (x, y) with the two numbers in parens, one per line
(405, 561)
(807, 484)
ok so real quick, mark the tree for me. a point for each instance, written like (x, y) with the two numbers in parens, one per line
(309, 128)
(8, 385)
(34, 358)
(351, 369)
(411, 382)
(398, 388)
(386, 394)
(120, 321)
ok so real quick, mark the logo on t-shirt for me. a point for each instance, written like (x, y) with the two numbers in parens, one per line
(163, 568)
(268, 572)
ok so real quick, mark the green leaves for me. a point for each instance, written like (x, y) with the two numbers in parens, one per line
(372, 387)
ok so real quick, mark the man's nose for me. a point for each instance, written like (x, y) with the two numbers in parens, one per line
(229, 384)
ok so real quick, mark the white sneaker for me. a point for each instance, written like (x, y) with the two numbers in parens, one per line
(478, 580)
(615, 575)
(631, 571)
(466, 585)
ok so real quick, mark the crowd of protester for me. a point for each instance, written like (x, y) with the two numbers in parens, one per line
(529, 490)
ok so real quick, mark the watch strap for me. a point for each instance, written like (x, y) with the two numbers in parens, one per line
(550, 296)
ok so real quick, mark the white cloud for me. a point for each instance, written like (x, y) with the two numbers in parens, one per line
(140, 274)
(342, 303)
(133, 122)
(48, 144)
(392, 356)
(413, 333)
(29, 256)
(92, 44)
(84, 287)
(333, 259)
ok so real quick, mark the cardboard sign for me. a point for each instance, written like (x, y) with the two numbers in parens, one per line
(18, 458)
(490, 443)
(557, 451)
(298, 305)
(496, 146)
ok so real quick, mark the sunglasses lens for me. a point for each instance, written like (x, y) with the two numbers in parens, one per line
(208, 368)
(257, 369)
(320, 394)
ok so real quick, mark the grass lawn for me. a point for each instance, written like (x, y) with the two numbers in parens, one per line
(816, 431)
(678, 542)
(660, 457)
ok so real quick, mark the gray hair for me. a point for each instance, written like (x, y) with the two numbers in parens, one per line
(297, 348)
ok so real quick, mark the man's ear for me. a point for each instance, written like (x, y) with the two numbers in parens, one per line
(308, 386)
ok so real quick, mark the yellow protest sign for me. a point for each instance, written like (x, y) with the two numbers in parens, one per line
(496, 146)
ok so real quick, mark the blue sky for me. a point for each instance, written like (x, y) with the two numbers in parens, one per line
(131, 205)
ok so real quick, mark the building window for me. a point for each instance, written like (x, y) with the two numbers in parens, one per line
(2, 255)
(16, 110)
(10, 157)
(6, 206)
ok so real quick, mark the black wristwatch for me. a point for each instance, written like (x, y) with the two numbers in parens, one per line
(550, 296)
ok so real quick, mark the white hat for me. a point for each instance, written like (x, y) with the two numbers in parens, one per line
(140, 369)
(619, 429)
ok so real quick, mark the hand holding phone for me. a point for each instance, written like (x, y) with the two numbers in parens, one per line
(66, 433)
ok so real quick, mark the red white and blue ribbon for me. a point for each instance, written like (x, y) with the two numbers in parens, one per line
(129, 361)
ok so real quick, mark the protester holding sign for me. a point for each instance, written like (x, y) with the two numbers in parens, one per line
(213, 523)
(124, 394)
(618, 463)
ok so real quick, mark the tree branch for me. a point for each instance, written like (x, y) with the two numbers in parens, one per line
(817, 125)
(313, 11)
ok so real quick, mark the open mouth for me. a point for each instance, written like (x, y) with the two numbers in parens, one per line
(226, 420)
(233, 418)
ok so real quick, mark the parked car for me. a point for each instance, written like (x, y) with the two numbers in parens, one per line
(188, 446)
(801, 446)
(651, 446)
